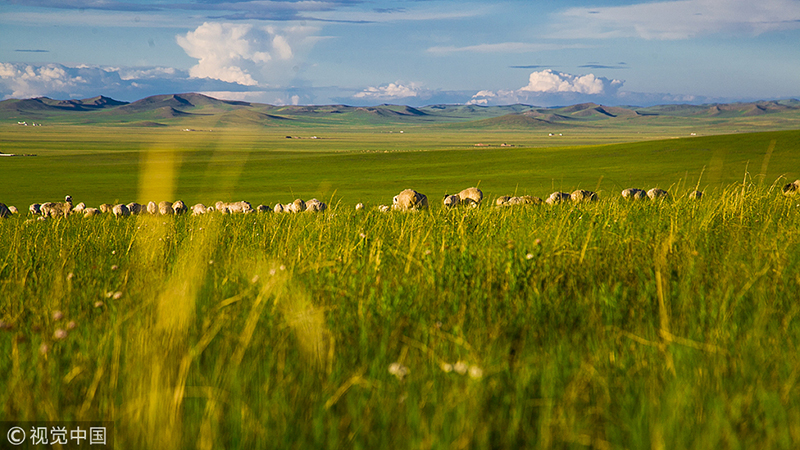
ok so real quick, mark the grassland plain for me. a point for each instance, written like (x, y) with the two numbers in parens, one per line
(112, 164)
(604, 325)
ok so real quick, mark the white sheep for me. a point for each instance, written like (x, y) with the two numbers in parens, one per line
(242, 207)
(315, 205)
(152, 208)
(471, 196)
(179, 207)
(792, 188)
(13, 209)
(55, 209)
(451, 201)
(199, 209)
(234, 207)
(634, 194)
(79, 207)
(120, 210)
(165, 208)
(359, 206)
(296, 206)
(105, 208)
(263, 208)
(384, 208)
(581, 195)
(279, 208)
(523, 200)
(656, 194)
(408, 200)
(136, 208)
(91, 212)
(558, 197)
(35, 209)
(695, 195)
(502, 200)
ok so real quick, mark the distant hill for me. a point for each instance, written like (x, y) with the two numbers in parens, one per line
(42, 105)
(182, 102)
(196, 110)
(724, 110)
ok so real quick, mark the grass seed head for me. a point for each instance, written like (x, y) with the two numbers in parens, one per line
(398, 370)
(475, 372)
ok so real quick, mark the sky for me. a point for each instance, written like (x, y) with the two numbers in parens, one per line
(414, 52)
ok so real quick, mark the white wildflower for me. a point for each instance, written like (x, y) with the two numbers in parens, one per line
(475, 372)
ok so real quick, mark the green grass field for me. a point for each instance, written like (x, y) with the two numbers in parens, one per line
(643, 325)
(109, 165)
(608, 325)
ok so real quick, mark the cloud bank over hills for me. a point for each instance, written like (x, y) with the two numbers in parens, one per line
(234, 76)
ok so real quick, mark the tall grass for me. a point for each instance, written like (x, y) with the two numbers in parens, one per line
(607, 325)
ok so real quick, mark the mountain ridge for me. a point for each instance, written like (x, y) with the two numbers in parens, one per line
(188, 107)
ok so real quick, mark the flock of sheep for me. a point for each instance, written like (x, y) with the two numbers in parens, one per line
(66, 208)
(407, 200)
(410, 199)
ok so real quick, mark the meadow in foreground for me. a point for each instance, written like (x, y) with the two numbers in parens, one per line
(650, 325)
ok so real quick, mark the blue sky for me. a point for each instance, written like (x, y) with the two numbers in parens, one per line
(614, 52)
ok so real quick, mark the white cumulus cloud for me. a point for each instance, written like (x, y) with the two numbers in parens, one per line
(391, 91)
(551, 81)
(222, 50)
(551, 87)
(244, 54)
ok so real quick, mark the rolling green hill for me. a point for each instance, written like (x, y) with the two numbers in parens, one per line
(193, 110)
